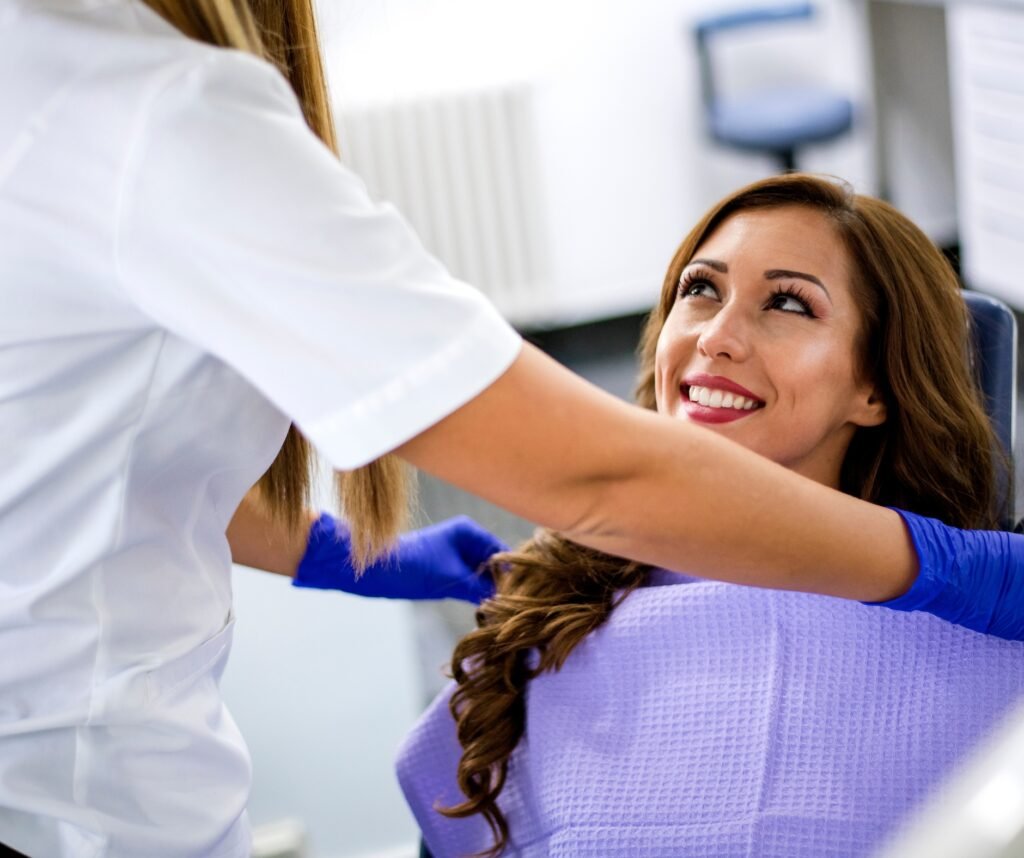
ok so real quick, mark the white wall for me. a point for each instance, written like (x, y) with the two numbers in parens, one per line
(626, 166)
(912, 96)
(323, 686)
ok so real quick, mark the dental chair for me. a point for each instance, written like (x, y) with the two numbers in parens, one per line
(995, 345)
(773, 121)
(690, 655)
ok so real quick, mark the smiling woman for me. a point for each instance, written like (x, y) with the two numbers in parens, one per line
(746, 323)
(877, 355)
(822, 330)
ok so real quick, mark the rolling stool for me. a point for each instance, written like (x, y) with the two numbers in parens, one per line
(773, 121)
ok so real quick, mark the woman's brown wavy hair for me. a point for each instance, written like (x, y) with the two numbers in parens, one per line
(936, 454)
(376, 497)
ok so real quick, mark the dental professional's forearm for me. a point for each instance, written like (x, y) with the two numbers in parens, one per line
(547, 445)
(260, 541)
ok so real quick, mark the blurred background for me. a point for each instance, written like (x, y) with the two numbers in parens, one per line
(554, 153)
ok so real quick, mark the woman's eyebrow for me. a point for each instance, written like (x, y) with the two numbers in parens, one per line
(720, 267)
(782, 274)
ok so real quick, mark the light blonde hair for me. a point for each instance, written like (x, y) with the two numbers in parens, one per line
(375, 498)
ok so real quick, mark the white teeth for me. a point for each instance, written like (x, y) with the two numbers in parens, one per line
(711, 398)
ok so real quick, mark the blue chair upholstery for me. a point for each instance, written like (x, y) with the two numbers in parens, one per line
(775, 121)
(994, 332)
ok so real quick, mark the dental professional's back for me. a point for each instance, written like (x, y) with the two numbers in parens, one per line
(85, 379)
(130, 435)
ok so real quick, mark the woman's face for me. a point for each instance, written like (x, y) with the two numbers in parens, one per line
(759, 345)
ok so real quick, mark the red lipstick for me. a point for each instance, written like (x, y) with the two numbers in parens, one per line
(719, 382)
(705, 413)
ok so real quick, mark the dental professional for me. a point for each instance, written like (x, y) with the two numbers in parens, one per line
(186, 272)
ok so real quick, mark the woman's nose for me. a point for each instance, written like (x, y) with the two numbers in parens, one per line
(725, 335)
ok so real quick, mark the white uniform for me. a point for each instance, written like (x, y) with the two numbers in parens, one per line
(183, 269)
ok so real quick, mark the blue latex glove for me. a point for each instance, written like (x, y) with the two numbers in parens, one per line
(974, 578)
(437, 562)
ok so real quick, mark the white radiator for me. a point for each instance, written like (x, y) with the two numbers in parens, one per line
(463, 168)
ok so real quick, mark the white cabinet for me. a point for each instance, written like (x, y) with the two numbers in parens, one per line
(986, 54)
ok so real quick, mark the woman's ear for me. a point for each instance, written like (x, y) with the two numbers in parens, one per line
(869, 409)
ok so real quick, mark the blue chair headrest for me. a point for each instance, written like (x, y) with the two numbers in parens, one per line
(994, 332)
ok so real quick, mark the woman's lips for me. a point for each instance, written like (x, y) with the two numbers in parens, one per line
(714, 392)
(707, 414)
(718, 382)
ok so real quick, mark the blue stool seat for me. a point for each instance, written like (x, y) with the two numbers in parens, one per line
(775, 121)
(780, 119)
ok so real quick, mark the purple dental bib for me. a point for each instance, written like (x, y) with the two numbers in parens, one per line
(712, 720)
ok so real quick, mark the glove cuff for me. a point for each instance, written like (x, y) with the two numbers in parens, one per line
(929, 581)
(324, 534)
(966, 577)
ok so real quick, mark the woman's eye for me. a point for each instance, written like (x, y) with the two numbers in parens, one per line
(790, 304)
(698, 289)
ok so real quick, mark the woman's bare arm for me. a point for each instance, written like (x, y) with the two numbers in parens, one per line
(260, 541)
(549, 446)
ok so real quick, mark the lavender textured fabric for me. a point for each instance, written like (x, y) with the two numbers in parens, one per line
(718, 721)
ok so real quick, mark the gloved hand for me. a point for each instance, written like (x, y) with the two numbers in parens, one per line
(437, 562)
(974, 578)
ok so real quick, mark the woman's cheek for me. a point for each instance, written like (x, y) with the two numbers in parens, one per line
(659, 385)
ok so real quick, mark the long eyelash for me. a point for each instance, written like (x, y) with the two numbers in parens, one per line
(694, 275)
(796, 293)
(690, 277)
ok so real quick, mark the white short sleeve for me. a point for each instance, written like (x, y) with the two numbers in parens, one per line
(240, 232)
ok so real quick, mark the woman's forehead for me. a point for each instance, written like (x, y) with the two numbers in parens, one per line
(791, 228)
(785, 237)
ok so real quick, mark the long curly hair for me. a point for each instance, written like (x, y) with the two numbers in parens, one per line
(936, 454)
